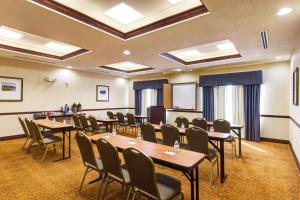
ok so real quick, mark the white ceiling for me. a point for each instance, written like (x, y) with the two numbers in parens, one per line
(239, 21)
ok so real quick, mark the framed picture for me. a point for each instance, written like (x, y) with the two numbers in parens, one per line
(11, 89)
(102, 93)
(296, 86)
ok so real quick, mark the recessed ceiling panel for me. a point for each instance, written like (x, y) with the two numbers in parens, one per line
(215, 51)
(127, 67)
(19, 41)
(126, 19)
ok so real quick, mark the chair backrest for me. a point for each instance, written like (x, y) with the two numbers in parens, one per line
(170, 134)
(201, 123)
(148, 132)
(76, 120)
(221, 125)
(120, 117)
(36, 131)
(83, 121)
(110, 115)
(110, 158)
(94, 124)
(182, 120)
(25, 129)
(130, 119)
(197, 139)
(29, 127)
(86, 150)
(141, 172)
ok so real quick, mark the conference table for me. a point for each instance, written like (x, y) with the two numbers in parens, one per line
(139, 118)
(182, 160)
(55, 127)
(108, 123)
(216, 136)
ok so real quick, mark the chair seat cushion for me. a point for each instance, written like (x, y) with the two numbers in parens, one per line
(52, 139)
(168, 187)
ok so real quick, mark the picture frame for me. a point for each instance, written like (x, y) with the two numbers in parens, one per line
(102, 93)
(11, 89)
(296, 87)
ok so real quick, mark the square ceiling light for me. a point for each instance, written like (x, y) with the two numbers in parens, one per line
(127, 67)
(5, 32)
(174, 1)
(124, 13)
(57, 46)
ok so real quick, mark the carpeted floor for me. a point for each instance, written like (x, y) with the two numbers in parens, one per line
(266, 171)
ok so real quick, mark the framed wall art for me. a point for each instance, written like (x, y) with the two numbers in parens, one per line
(102, 93)
(296, 86)
(11, 89)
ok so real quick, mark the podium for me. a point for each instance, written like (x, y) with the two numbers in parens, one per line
(156, 114)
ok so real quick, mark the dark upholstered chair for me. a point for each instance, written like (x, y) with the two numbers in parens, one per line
(131, 123)
(170, 134)
(45, 140)
(198, 141)
(88, 155)
(85, 125)
(25, 130)
(148, 132)
(95, 126)
(76, 121)
(145, 181)
(121, 121)
(182, 120)
(110, 115)
(201, 123)
(221, 125)
(112, 167)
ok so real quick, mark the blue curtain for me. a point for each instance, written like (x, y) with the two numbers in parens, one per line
(208, 103)
(138, 102)
(160, 97)
(251, 112)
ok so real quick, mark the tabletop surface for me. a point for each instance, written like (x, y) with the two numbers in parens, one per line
(100, 119)
(50, 124)
(183, 158)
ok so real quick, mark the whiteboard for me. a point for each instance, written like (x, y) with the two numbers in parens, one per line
(184, 95)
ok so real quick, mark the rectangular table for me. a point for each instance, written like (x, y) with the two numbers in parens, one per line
(108, 123)
(217, 136)
(184, 160)
(55, 127)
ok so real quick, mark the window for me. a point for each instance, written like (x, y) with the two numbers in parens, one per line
(149, 98)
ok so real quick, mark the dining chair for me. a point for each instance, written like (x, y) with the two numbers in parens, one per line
(95, 129)
(45, 141)
(198, 141)
(113, 170)
(148, 133)
(121, 122)
(85, 125)
(221, 125)
(145, 181)
(76, 121)
(31, 133)
(110, 115)
(25, 131)
(200, 122)
(131, 123)
(182, 120)
(88, 157)
(170, 134)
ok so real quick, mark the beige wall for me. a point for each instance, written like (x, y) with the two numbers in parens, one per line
(275, 93)
(39, 95)
(295, 110)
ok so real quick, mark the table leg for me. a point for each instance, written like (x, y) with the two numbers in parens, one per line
(106, 127)
(63, 147)
(69, 143)
(111, 127)
(197, 183)
(240, 142)
(223, 175)
(192, 185)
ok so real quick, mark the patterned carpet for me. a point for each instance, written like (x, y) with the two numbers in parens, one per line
(266, 171)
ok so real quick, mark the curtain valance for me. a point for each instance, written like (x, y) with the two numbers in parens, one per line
(151, 84)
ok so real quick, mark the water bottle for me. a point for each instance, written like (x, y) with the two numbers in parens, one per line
(182, 126)
(138, 138)
(47, 118)
(114, 132)
(211, 129)
(176, 145)
(54, 120)
(64, 121)
(161, 123)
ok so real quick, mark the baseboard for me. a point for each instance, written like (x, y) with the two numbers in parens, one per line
(295, 157)
(11, 137)
(274, 140)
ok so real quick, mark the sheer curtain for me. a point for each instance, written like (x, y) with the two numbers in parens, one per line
(149, 98)
(228, 102)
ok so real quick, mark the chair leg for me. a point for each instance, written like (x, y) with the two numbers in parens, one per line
(218, 171)
(30, 146)
(86, 171)
(25, 143)
(99, 193)
(45, 152)
(105, 188)
(129, 193)
(133, 196)
(211, 172)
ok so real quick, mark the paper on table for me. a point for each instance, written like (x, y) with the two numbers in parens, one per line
(170, 153)
(131, 142)
(106, 136)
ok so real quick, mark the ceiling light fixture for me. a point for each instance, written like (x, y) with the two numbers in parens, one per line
(178, 70)
(10, 34)
(174, 1)
(69, 67)
(225, 46)
(278, 57)
(126, 52)
(284, 11)
(56, 46)
(124, 13)
(192, 52)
